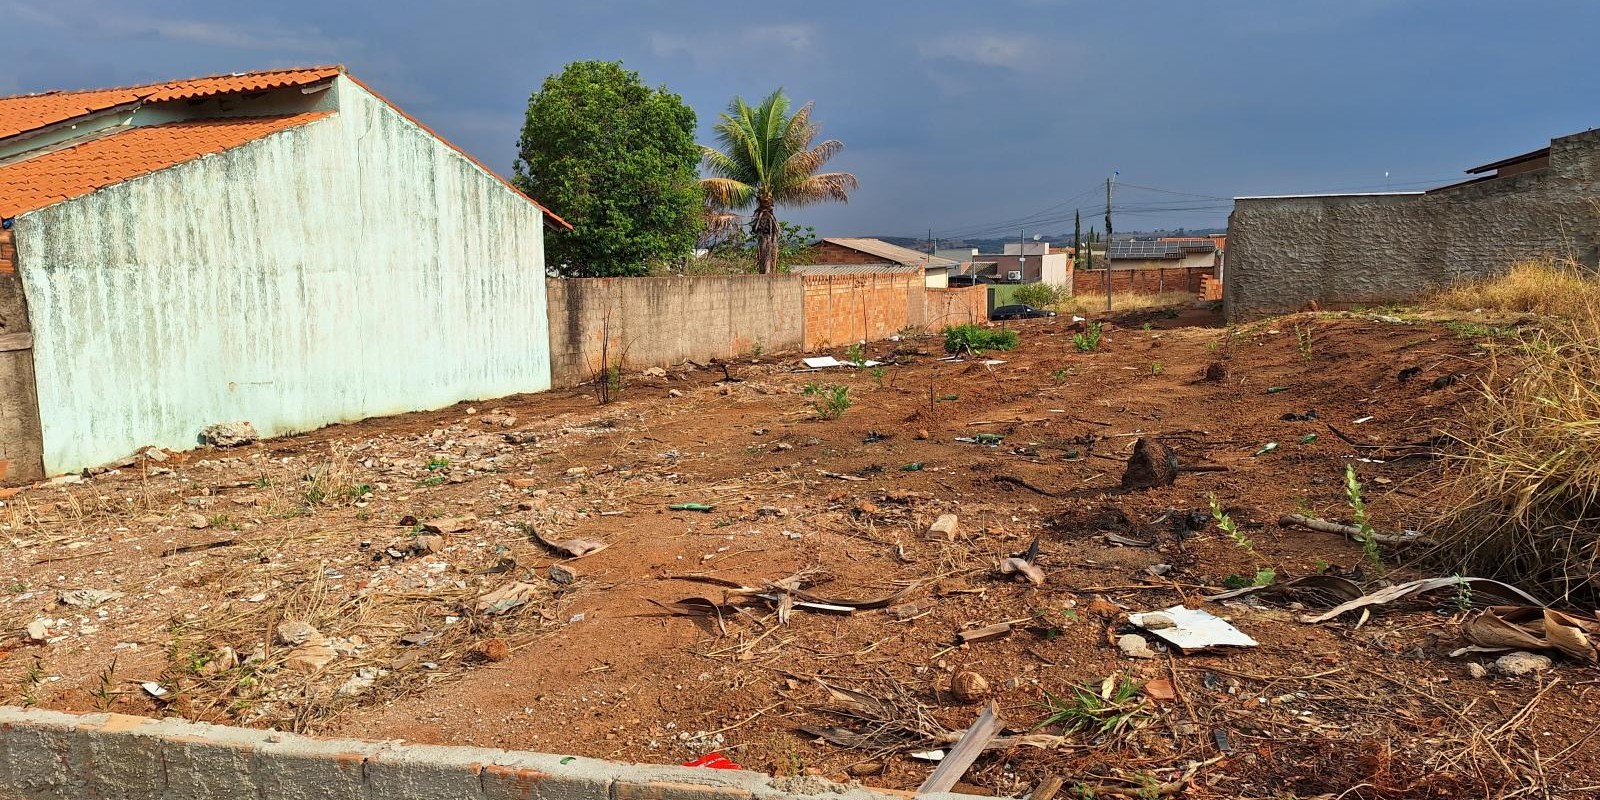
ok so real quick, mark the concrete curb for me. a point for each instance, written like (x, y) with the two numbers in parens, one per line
(51, 755)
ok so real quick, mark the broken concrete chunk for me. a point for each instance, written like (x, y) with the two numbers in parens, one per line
(563, 575)
(655, 372)
(229, 434)
(198, 521)
(310, 657)
(428, 543)
(39, 630)
(945, 526)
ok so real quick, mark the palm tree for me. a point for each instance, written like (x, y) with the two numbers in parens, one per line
(767, 159)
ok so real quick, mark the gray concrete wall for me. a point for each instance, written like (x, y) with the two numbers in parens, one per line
(666, 321)
(21, 447)
(1348, 250)
(49, 755)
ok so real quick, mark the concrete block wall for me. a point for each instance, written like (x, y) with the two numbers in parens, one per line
(50, 755)
(21, 445)
(666, 321)
(1347, 250)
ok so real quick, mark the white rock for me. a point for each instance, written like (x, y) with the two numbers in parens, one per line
(945, 525)
(1134, 646)
(1516, 664)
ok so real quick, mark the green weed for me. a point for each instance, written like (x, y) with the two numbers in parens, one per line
(1088, 340)
(1358, 508)
(975, 339)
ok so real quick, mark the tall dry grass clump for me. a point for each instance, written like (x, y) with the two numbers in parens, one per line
(1555, 287)
(1523, 481)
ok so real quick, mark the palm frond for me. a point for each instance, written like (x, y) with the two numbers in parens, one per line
(728, 193)
(818, 188)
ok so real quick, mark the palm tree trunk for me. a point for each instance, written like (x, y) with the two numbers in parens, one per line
(765, 228)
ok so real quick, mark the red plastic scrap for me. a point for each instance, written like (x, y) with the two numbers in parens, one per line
(713, 761)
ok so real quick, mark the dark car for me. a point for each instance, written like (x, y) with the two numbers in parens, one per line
(1019, 311)
(958, 281)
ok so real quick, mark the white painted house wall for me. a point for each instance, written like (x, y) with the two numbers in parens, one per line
(352, 267)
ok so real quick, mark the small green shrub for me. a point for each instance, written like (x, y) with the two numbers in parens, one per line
(831, 400)
(1039, 295)
(975, 339)
(1089, 340)
(855, 355)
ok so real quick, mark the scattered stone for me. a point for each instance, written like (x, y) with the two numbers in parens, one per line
(575, 472)
(1103, 608)
(225, 659)
(498, 420)
(1160, 689)
(39, 630)
(310, 658)
(654, 372)
(674, 393)
(1476, 670)
(64, 480)
(946, 526)
(87, 598)
(922, 434)
(772, 511)
(1133, 645)
(154, 453)
(229, 434)
(524, 483)
(492, 650)
(199, 521)
(1216, 371)
(428, 543)
(360, 682)
(295, 632)
(450, 524)
(1158, 569)
(1521, 663)
(969, 686)
(563, 575)
(865, 769)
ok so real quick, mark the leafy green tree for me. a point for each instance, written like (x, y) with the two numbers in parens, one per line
(768, 159)
(619, 161)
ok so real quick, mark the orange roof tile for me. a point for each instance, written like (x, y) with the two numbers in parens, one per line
(24, 113)
(50, 178)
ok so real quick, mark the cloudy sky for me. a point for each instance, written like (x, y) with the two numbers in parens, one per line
(972, 117)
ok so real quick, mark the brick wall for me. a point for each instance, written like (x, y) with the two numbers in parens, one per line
(1141, 281)
(8, 253)
(844, 309)
(968, 305)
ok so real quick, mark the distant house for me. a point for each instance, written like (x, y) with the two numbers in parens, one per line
(285, 247)
(852, 250)
(1033, 263)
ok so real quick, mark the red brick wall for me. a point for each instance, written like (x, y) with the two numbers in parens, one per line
(844, 309)
(1140, 281)
(8, 253)
(957, 306)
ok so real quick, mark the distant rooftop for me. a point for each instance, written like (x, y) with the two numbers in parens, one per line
(1149, 250)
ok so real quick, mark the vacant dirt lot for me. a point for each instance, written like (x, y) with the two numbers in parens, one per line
(385, 536)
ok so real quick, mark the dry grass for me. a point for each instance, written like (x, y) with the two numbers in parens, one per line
(1087, 303)
(1548, 286)
(1522, 487)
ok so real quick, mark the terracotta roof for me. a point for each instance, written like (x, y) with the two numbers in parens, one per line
(43, 180)
(24, 113)
(854, 269)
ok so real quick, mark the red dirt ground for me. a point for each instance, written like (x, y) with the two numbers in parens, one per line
(606, 667)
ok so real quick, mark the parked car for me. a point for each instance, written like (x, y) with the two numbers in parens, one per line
(1019, 311)
(959, 281)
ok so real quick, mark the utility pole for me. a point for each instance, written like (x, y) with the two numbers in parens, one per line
(1110, 182)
